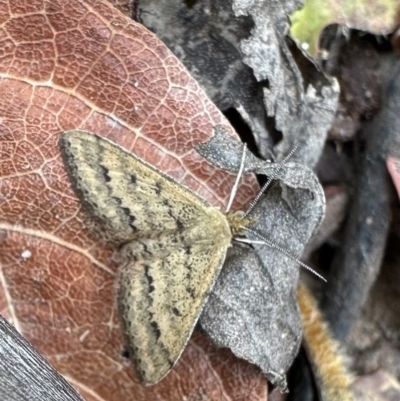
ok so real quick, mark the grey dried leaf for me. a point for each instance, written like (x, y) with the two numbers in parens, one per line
(238, 51)
(303, 111)
(253, 308)
(205, 36)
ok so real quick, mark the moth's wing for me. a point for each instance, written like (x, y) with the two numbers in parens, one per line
(180, 245)
(161, 295)
(126, 195)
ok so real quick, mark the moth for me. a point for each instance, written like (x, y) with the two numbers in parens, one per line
(175, 244)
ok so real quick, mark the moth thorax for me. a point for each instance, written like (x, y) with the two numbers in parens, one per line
(237, 222)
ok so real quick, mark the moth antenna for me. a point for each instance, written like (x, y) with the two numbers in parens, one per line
(265, 240)
(270, 179)
(238, 177)
(274, 244)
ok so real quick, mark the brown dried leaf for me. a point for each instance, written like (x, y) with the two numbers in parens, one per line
(82, 64)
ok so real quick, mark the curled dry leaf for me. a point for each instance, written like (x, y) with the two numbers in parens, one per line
(83, 65)
(252, 309)
(238, 50)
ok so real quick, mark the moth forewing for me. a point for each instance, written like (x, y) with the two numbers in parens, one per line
(122, 191)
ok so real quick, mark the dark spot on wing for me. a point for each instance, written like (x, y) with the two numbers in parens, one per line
(188, 249)
(118, 201)
(133, 179)
(105, 171)
(158, 188)
(145, 248)
(188, 266)
(126, 210)
(125, 353)
(179, 224)
(130, 216)
(149, 278)
(176, 312)
(190, 291)
(156, 329)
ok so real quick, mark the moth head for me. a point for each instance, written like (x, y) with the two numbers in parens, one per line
(238, 222)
